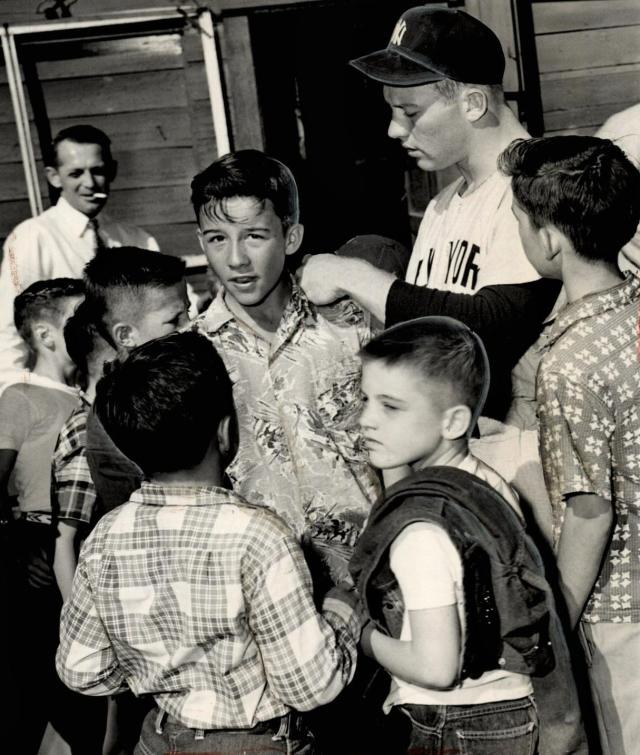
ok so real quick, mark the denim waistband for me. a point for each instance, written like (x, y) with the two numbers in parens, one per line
(283, 726)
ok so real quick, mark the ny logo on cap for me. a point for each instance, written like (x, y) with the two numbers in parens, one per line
(398, 32)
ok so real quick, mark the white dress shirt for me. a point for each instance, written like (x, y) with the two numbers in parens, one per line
(57, 243)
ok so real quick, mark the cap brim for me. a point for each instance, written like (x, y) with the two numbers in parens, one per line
(394, 69)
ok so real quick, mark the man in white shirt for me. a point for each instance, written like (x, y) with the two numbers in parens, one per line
(60, 241)
(442, 75)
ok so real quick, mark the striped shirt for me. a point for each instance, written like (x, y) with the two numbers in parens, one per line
(204, 601)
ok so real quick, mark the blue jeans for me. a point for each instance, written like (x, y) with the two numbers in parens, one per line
(169, 737)
(508, 726)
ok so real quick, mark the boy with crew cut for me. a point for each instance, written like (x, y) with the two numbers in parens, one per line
(190, 594)
(135, 295)
(32, 411)
(458, 638)
(294, 366)
(577, 202)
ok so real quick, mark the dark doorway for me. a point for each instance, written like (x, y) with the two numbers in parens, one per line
(327, 122)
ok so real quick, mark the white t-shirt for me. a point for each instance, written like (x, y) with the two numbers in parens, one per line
(428, 568)
(33, 410)
(58, 243)
(469, 241)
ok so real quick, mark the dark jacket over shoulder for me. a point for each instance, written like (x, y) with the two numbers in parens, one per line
(507, 317)
(507, 600)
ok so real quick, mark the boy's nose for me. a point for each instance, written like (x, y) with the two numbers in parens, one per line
(237, 255)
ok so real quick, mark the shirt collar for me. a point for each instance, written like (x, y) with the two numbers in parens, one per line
(298, 310)
(594, 304)
(154, 494)
(76, 221)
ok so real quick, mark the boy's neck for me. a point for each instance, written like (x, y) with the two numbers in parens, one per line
(208, 473)
(49, 368)
(451, 454)
(582, 278)
(264, 318)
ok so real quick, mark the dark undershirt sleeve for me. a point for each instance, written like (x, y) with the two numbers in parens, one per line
(492, 309)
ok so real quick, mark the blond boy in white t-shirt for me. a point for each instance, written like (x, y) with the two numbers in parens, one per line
(423, 385)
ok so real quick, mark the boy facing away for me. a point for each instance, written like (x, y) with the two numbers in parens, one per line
(577, 201)
(294, 366)
(422, 562)
(189, 593)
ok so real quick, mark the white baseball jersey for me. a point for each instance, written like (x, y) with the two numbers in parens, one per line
(470, 241)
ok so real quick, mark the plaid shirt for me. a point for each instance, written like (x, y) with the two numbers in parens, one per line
(588, 394)
(204, 601)
(298, 400)
(72, 490)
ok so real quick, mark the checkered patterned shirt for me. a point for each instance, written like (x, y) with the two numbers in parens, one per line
(588, 395)
(204, 601)
(72, 490)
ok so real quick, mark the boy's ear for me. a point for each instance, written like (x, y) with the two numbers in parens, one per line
(554, 241)
(456, 421)
(124, 335)
(53, 177)
(228, 438)
(293, 238)
(475, 104)
(42, 335)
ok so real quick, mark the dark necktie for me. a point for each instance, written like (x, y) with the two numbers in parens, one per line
(94, 231)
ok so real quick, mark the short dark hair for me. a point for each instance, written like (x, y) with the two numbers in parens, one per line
(83, 340)
(440, 349)
(246, 173)
(117, 278)
(162, 404)
(584, 186)
(81, 134)
(43, 300)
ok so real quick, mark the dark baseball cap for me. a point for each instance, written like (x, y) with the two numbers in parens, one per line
(429, 44)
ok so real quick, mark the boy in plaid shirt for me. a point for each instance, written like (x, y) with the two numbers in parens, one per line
(189, 593)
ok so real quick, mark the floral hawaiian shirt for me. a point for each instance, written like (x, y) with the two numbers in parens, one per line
(588, 393)
(298, 401)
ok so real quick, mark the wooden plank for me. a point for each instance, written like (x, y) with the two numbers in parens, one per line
(154, 167)
(588, 49)
(164, 127)
(176, 238)
(581, 117)
(115, 94)
(246, 123)
(570, 15)
(151, 206)
(571, 89)
(106, 57)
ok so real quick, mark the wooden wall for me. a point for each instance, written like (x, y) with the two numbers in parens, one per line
(148, 93)
(589, 61)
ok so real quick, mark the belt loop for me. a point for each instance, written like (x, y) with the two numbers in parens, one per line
(199, 734)
(284, 729)
(160, 719)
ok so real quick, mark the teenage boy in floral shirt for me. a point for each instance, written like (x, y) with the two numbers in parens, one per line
(294, 366)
